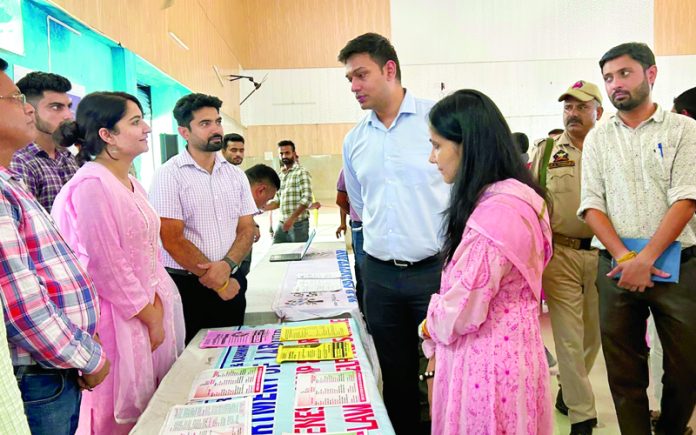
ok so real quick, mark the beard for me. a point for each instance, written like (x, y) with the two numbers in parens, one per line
(211, 146)
(43, 126)
(635, 98)
(287, 161)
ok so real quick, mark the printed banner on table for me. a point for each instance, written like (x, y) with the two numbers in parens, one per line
(315, 352)
(231, 417)
(306, 305)
(227, 382)
(329, 389)
(273, 410)
(244, 337)
(331, 330)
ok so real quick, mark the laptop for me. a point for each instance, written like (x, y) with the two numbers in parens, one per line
(295, 256)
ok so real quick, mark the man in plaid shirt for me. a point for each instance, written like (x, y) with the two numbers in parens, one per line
(293, 198)
(50, 304)
(44, 165)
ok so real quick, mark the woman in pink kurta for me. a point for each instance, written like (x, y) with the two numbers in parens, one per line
(482, 332)
(105, 217)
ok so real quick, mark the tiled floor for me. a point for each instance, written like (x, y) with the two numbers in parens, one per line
(326, 222)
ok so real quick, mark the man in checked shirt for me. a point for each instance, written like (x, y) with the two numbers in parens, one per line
(294, 197)
(50, 304)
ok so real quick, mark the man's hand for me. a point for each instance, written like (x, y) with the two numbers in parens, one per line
(314, 205)
(636, 274)
(257, 234)
(216, 275)
(287, 225)
(341, 229)
(91, 380)
(229, 291)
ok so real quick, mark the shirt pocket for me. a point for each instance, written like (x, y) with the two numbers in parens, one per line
(561, 180)
(657, 163)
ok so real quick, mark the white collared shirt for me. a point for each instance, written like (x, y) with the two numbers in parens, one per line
(210, 204)
(634, 175)
(399, 195)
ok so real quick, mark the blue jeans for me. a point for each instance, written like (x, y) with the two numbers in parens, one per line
(357, 244)
(51, 399)
(298, 233)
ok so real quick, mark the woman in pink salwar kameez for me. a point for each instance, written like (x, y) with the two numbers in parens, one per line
(482, 332)
(105, 217)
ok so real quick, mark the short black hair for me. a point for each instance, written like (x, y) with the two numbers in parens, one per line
(521, 141)
(263, 174)
(184, 108)
(287, 143)
(686, 101)
(3, 64)
(637, 51)
(377, 46)
(34, 84)
(232, 137)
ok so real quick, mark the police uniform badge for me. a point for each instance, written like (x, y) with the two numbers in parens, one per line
(561, 160)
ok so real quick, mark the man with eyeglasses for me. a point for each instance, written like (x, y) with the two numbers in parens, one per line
(44, 165)
(50, 303)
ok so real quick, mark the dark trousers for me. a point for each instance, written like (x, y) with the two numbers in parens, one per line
(203, 308)
(359, 254)
(245, 267)
(396, 301)
(623, 315)
(298, 233)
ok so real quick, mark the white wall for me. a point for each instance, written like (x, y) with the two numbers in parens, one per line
(523, 54)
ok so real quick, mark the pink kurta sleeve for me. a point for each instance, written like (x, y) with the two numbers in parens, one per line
(469, 283)
(97, 227)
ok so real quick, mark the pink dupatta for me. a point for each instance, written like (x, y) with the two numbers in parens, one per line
(514, 217)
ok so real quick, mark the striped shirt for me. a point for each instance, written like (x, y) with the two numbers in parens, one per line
(44, 176)
(210, 204)
(295, 190)
(634, 175)
(50, 303)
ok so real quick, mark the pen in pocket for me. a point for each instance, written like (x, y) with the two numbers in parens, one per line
(659, 146)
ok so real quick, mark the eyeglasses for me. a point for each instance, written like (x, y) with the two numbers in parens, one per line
(20, 98)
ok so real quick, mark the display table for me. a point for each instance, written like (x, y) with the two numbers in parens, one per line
(269, 296)
(274, 411)
(270, 301)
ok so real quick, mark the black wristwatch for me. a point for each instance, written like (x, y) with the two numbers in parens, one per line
(233, 266)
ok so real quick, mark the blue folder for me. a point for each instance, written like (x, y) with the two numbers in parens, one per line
(669, 261)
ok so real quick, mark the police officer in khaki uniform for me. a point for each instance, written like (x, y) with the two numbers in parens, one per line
(569, 279)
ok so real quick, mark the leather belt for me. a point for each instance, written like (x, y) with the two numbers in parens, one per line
(36, 369)
(180, 272)
(406, 264)
(686, 254)
(584, 244)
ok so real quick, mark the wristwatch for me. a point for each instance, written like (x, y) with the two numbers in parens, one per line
(233, 266)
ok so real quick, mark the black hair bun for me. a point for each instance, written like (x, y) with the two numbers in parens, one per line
(68, 134)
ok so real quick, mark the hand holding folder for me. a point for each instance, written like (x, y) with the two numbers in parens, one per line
(669, 262)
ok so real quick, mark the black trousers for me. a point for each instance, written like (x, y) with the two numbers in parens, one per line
(623, 316)
(396, 301)
(203, 308)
